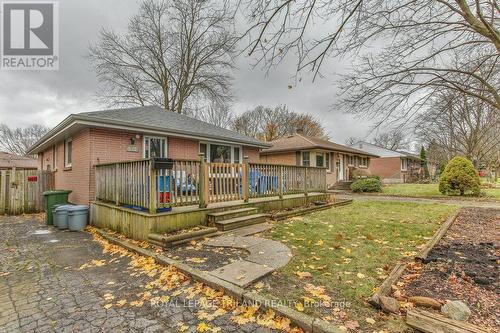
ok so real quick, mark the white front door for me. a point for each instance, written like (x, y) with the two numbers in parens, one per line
(341, 167)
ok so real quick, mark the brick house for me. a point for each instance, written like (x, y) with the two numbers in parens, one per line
(298, 149)
(83, 140)
(392, 166)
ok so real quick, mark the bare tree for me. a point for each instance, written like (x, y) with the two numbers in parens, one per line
(215, 113)
(394, 140)
(352, 140)
(173, 51)
(407, 49)
(458, 124)
(269, 124)
(19, 140)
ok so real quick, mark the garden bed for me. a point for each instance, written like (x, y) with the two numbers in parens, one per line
(462, 266)
(342, 255)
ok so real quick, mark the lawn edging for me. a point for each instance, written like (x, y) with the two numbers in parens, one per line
(422, 255)
(306, 322)
(397, 271)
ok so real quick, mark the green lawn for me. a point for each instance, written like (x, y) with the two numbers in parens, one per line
(429, 190)
(349, 251)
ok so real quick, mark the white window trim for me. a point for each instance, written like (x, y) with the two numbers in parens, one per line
(208, 143)
(66, 164)
(404, 166)
(165, 153)
(363, 162)
(54, 159)
(302, 157)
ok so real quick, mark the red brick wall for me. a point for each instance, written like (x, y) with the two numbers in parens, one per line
(182, 148)
(252, 153)
(287, 158)
(386, 167)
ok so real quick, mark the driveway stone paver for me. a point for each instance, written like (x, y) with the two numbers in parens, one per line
(43, 289)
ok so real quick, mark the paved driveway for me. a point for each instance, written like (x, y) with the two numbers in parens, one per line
(43, 289)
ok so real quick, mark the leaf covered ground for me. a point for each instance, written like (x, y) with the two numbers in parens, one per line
(343, 254)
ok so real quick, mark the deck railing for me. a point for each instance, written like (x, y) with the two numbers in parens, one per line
(190, 182)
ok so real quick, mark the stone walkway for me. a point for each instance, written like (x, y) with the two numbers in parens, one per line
(44, 289)
(265, 256)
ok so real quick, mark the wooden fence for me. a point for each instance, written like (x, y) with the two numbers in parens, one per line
(21, 191)
(191, 182)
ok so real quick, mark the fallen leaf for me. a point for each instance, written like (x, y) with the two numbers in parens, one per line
(304, 275)
(370, 321)
(299, 306)
(107, 306)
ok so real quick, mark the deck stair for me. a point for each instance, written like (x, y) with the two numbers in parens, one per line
(236, 218)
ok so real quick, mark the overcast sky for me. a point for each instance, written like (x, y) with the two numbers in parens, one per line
(28, 97)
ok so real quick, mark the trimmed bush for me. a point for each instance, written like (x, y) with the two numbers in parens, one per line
(459, 176)
(367, 185)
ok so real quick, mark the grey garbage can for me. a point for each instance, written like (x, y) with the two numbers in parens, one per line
(54, 222)
(61, 217)
(77, 217)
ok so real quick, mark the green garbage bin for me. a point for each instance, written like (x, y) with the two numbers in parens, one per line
(54, 198)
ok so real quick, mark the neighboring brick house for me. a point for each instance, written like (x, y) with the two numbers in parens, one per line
(392, 166)
(298, 149)
(78, 143)
(9, 161)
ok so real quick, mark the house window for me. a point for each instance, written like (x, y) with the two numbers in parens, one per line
(203, 149)
(320, 160)
(350, 160)
(236, 155)
(328, 161)
(404, 164)
(154, 147)
(220, 153)
(306, 158)
(363, 161)
(68, 147)
(54, 157)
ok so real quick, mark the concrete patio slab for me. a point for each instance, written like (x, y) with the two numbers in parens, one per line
(271, 254)
(235, 241)
(250, 230)
(241, 273)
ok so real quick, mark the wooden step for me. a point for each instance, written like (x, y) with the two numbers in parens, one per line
(241, 221)
(230, 214)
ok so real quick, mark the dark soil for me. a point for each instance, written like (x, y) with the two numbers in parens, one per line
(205, 258)
(464, 266)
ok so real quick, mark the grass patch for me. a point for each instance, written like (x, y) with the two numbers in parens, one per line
(350, 250)
(430, 191)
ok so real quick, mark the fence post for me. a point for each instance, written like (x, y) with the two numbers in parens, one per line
(245, 179)
(152, 188)
(116, 189)
(202, 183)
(305, 181)
(280, 182)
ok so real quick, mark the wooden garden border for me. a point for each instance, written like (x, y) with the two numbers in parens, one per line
(429, 322)
(397, 271)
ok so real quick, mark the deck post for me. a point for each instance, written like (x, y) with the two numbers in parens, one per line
(245, 178)
(202, 184)
(305, 181)
(152, 189)
(280, 182)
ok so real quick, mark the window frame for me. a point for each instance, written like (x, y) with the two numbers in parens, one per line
(68, 158)
(209, 143)
(363, 162)
(149, 137)
(404, 164)
(308, 158)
